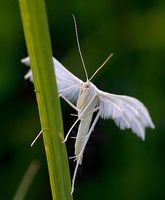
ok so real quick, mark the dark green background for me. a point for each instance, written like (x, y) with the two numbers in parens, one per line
(117, 164)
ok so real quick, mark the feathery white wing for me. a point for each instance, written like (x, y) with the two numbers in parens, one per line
(127, 112)
(68, 84)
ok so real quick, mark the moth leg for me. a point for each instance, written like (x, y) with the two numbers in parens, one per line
(89, 133)
(36, 137)
(79, 118)
(93, 125)
(76, 85)
(86, 138)
(67, 135)
(70, 103)
(74, 175)
(88, 113)
(79, 157)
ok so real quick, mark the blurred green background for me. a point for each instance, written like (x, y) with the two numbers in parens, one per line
(117, 164)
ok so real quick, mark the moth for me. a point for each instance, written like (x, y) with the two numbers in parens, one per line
(87, 99)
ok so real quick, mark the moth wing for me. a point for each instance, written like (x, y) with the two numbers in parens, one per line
(68, 85)
(127, 112)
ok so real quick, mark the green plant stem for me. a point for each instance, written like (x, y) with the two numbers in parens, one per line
(35, 26)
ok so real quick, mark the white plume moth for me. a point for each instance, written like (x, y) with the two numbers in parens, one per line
(86, 98)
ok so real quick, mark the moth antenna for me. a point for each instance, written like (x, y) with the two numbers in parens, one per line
(79, 49)
(110, 56)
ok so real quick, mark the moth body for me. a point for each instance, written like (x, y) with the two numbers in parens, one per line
(86, 104)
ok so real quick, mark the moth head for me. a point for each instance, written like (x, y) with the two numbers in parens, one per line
(86, 86)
